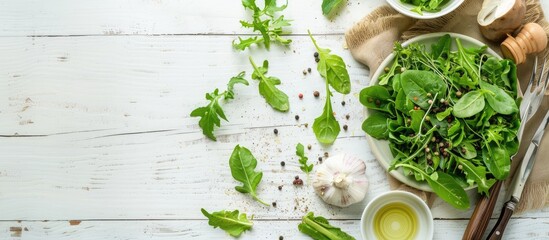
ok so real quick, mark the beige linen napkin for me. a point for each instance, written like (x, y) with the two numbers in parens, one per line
(371, 40)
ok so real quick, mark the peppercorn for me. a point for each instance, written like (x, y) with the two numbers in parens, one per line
(378, 103)
(458, 94)
(281, 238)
(306, 125)
(296, 117)
(309, 70)
(463, 150)
(317, 59)
(309, 146)
(326, 154)
(386, 69)
(304, 72)
(296, 177)
(298, 182)
(315, 54)
(282, 163)
(347, 116)
(342, 103)
(300, 96)
(345, 127)
(320, 159)
(316, 94)
(275, 131)
(274, 204)
(280, 187)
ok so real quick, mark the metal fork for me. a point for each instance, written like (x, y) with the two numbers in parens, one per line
(530, 103)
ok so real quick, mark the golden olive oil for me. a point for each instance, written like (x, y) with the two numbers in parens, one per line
(394, 221)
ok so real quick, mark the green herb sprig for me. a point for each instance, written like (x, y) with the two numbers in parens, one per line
(210, 114)
(265, 22)
(300, 152)
(267, 87)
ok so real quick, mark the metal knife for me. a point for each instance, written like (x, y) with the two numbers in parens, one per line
(519, 180)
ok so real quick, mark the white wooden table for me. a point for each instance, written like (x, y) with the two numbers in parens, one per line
(96, 141)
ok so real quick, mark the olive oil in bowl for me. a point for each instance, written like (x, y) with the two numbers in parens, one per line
(397, 215)
(395, 220)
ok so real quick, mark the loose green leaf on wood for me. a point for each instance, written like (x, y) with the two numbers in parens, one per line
(328, 6)
(300, 152)
(332, 68)
(319, 228)
(326, 127)
(267, 88)
(243, 164)
(232, 222)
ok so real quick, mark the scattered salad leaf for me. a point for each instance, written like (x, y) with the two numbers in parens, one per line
(332, 68)
(328, 6)
(266, 23)
(450, 117)
(326, 127)
(243, 164)
(300, 152)
(426, 5)
(210, 114)
(267, 87)
(232, 222)
(320, 229)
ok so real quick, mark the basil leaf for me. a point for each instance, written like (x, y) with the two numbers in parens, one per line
(319, 228)
(447, 188)
(328, 6)
(232, 222)
(418, 84)
(376, 126)
(332, 68)
(469, 104)
(243, 164)
(326, 127)
(498, 99)
(267, 88)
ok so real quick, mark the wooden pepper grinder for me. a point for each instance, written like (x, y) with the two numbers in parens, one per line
(531, 39)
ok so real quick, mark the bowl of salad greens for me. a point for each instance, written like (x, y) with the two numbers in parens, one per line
(442, 115)
(425, 9)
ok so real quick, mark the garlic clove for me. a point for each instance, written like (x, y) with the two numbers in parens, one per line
(341, 180)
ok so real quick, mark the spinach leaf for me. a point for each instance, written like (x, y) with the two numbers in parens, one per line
(419, 84)
(441, 47)
(498, 99)
(497, 160)
(243, 164)
(326, 127)
(376, 126)
(447, 188)
(477, 174)
(332, 68)
(210, 114)
(328, 6)
(469, 104)
(375, 97)
(300, 152)
(320, 229)
(264, 21)
(232, 222)
(267, 88)
(417, 118)
(467, 150)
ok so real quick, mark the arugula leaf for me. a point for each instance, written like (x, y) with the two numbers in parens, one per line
(332, 68)
(232, 222)
(267, 87)
(320, 229)
(300, 152)
(264, 21)
(326, 127)
(328, 6)
(210, 114)
(242, 164)
(477, 174)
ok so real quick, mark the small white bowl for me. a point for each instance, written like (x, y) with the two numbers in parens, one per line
(425, 228)
(406, 9)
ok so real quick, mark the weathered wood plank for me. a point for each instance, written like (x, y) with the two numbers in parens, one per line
(199, 229)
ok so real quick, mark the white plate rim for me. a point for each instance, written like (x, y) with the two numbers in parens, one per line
(405, 9)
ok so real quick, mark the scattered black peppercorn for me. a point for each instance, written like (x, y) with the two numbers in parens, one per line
(275, 131)
(296, 117)
(347, 116)
(281, 238)
(316, 94)
(296, 177)
(309, 70)
(345, 127)
(342, 103)
(309, 146)
(315, 55)
(282, 163)
(317, 59)
(280, 187)
(326, 154)
(304, 72)
(274, 204)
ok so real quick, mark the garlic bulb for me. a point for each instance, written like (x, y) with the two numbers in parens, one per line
(341, 180)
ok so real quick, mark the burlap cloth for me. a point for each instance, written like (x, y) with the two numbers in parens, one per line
(371, 40)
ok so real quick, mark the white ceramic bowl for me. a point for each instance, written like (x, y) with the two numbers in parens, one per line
(405, 9)
(425, 228)
(379, 148)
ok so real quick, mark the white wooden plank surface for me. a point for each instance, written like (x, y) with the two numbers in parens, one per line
(96, 127)
(198, 229)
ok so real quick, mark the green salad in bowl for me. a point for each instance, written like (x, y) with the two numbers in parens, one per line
(443, 114)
